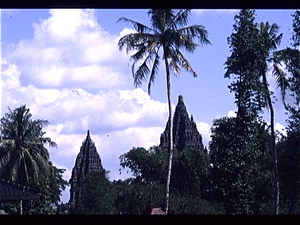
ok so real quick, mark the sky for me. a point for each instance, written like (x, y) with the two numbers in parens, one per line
(66, 67)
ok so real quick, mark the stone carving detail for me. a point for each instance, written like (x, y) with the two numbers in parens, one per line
(185, 133)
(87, 160)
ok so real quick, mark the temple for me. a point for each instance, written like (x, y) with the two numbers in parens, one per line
(87, 160)
(185, 133)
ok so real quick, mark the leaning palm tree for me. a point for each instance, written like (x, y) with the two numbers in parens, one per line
(23, 156)
(164, 40)
(269, 42)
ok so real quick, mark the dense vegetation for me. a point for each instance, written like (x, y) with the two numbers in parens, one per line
(25, 160)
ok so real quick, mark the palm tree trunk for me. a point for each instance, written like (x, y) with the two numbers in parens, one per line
(275, 158)
(273, 144)
(171, 133)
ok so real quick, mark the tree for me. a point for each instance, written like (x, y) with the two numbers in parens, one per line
(149, 167)
(23, 156)
(289, 164)
(167, 33)
(242, 66)
(24, 159)
(289, 145)
(97, 194)
(50, 192)
(269, 42)
(239, 173)
(251, 46)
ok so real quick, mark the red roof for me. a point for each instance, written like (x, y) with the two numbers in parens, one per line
(157, 211)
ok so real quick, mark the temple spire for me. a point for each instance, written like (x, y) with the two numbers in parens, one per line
(185, 133)
(87, 160)
(180, 99)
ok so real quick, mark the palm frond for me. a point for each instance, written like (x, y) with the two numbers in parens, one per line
(140, 28)
(154, 71)
(136, 41)
(160, 18)
(42, 166)
(196, 31)
(142, 72)
(183, 41)
(143, 51)
(184, 63)
(281, 80)
(180, 19)
(174, 66)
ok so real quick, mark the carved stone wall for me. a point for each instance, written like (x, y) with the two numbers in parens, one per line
(185, 133)
(87, 160)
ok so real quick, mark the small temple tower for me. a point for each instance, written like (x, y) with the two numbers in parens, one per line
(185, 133)
(87, 160)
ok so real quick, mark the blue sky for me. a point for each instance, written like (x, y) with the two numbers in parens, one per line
(48, 54)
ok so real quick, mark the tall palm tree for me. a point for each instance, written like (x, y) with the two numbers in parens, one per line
(23, 156)
(269, 42)
(164, 40)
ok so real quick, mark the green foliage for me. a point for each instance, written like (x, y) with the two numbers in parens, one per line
(50, 192)
(296, 29)
(137, 197)
(168, 32)
(23, 156)
(24, 159)
(238, 163)
(147, 190)
(243, 65)
(194, 205)
(97, 194)
(290, 58)
(148, 165)
(289, 164)
(190, 182)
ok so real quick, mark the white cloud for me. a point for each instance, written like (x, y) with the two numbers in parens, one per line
(280, 128)
(231, 113)
(204, 130)
(200, 12)
(70, 50)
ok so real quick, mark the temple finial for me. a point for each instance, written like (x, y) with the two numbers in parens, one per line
(180, 98)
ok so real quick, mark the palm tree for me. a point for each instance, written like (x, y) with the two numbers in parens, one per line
(269, 41)
(168, 34)
(23, 157)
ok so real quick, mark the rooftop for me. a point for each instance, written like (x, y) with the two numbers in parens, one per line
(10, 191)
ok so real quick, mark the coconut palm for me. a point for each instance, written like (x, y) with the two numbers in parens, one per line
(269, 42)
(164, 40)
(23, 156)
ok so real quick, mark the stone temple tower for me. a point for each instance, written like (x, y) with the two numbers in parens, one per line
(87, 160)
(185, 133)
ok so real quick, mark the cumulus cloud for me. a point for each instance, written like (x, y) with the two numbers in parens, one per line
(204, 130)
(70, 50)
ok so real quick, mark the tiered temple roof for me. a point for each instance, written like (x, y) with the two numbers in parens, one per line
(185, 133)
(87, 160)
